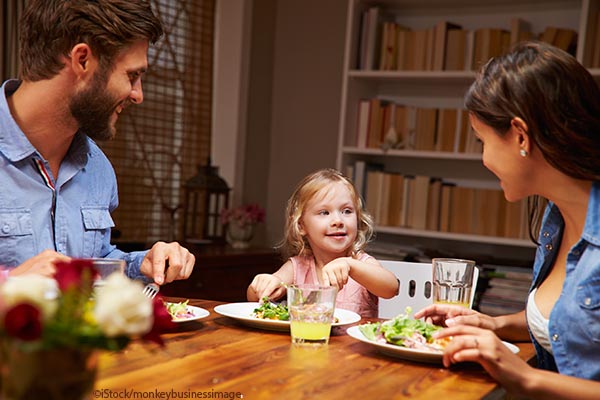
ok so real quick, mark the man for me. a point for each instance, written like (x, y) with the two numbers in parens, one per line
(82, 64)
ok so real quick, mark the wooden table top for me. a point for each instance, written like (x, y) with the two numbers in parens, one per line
(222, 358)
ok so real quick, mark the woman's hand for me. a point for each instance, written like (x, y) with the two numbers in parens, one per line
(482, 346)
(449, 315)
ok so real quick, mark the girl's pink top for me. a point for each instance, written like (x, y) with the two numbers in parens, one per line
(353, 296)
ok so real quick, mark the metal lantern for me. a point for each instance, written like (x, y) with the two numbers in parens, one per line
(206, 194)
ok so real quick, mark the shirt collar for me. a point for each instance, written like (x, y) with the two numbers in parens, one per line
(14, 144)
(591, 230)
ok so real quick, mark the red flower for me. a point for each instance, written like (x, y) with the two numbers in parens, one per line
(69, 273)
(23, 321)
(162, 322)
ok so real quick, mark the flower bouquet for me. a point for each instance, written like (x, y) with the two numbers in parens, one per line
(244, 215)
(50, 329)
(240, 222)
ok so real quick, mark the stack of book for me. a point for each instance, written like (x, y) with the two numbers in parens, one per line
(507, 289)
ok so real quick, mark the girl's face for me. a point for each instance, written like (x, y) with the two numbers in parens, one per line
(501, 156)
(329, 221)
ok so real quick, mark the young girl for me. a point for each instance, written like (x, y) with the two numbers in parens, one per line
(326, 231)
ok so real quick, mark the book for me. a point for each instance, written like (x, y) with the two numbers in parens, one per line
(374, 194)
(433, 204)
(426, 119)
(375, 123)
(566, 39)
(445, 205)
(362, 123)
(440, 33)
(520, 30)
(418, 202)
(456, 50)
(445, 137)
(396, 199)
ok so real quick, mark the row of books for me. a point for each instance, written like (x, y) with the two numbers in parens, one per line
(386, 45)
(506, 289)
(430, 203)
(388, 125)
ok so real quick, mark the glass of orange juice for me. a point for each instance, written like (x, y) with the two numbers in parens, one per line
(311, 310)
(452, 281)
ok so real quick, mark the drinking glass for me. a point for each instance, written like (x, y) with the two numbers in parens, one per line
(452, 281)
(311, 310)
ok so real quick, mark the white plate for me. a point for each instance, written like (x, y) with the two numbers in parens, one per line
(406, 353)
(243, 313)
(198, 312)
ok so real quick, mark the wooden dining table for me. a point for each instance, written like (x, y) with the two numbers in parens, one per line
(220, 358)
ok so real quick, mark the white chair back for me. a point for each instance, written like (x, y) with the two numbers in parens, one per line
(416, 289)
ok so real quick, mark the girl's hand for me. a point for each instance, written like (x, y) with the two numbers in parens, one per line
(266, 285)
(482, 346)
(449, 315)
(336, 273)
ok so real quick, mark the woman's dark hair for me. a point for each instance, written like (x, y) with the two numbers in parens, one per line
(49, 29)
(555, 96)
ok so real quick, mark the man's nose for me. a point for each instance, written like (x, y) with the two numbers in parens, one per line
(137, 95)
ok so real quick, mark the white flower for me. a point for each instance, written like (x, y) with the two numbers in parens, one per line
(121, 307)
(37, 290)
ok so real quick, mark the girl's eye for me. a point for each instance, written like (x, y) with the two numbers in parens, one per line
(348, 211)
(323, 212)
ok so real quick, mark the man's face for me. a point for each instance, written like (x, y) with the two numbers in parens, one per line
(96, 108)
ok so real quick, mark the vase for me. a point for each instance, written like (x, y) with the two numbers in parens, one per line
(239, 236)
(54, 374)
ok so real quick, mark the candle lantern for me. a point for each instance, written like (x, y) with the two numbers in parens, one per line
(206, 194)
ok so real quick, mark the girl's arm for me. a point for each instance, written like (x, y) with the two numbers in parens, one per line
(370, 274)
(270, 285)
(374, 277)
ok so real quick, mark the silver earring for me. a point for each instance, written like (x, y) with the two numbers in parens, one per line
(523, 153)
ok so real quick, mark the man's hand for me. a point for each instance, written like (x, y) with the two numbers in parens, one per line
(180, 262)
(41, 264)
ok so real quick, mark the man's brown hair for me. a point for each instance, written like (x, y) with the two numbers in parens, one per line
(49, 30)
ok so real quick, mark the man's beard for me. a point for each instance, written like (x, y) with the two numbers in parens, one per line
(93, 108)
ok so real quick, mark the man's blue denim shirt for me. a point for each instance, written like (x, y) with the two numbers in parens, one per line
(70, 214)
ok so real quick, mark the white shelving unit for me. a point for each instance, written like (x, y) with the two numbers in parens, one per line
(444, 89)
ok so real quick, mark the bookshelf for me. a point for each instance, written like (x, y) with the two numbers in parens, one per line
(392, 88)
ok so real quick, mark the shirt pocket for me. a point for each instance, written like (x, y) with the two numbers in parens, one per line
(97, 223)
(588, 300)
(16, 236)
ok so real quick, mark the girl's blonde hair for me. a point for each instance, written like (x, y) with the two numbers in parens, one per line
(294, 243)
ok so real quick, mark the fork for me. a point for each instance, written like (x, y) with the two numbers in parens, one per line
(151, 290)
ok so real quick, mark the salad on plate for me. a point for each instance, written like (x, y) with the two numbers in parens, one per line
(180, 311)
(405, 331)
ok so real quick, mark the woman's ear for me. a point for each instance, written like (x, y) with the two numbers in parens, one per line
(521, 132)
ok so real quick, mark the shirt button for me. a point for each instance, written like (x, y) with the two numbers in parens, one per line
(555, 337)
(587, 301)
(545, 234)
(549, 247)
(5, 228)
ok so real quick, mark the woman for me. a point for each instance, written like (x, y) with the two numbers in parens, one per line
(537, 112)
